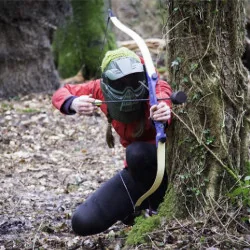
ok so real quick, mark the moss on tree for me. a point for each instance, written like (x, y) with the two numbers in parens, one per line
(144, 226)
(78, 45)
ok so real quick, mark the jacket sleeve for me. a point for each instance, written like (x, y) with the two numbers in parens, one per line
(69, 91)
(163, 90)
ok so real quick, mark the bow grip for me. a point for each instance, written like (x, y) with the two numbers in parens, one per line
(159, 126)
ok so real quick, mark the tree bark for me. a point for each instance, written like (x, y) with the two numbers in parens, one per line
(207, 144)
(26, 30)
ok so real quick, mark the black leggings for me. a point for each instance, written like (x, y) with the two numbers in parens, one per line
(116, 198)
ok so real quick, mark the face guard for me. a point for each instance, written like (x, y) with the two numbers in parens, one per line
(124, 79)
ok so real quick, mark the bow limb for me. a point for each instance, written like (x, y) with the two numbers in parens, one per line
(139, 41)
(151, 72)
(152, 80)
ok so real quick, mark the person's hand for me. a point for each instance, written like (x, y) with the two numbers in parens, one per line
(160, 112)
(83, 105)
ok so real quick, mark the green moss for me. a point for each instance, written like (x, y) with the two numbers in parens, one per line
(168, 206)
(79, 43)
(144, 226)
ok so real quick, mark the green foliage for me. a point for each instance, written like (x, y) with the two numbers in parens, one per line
(208, 138)
(28, 110)
(78, 45)
(6, 106)
(161, 70)
(193, 66)
(195, 96)
(176, 63)
(241, 194)
(185, 79)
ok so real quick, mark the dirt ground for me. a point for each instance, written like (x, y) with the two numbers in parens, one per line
(50, 163)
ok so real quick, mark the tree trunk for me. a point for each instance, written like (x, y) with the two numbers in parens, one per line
(207, 144)
(83, 41)
(26, 29)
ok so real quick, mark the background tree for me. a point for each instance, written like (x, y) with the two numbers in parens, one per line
(26, 29)
(78, 44)
(207, 148)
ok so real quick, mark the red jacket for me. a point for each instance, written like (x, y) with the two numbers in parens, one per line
(125, 131)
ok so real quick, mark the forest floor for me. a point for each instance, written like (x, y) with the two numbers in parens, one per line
(50, 163)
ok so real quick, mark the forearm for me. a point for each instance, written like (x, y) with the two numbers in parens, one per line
(62, 95)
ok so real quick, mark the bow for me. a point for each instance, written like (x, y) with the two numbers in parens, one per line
(152, 80)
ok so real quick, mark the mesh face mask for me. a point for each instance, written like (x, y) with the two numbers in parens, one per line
(124, 79)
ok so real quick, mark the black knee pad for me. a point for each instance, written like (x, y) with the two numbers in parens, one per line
(87, 220)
